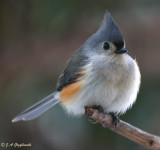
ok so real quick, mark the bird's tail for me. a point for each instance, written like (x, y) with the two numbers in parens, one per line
(37, 109)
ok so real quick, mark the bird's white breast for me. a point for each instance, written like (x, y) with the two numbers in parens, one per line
(112, 84)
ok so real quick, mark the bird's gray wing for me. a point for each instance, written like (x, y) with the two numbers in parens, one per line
(73, 67)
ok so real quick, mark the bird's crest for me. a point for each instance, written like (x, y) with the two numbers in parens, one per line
(108, 31)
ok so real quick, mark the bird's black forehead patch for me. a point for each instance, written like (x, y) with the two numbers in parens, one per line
(119, 44)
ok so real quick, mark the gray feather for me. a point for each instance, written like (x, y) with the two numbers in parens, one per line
(108, 31)
(68, 76)
(38, 108)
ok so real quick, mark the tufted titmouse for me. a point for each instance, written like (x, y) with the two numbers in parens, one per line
(100, 73)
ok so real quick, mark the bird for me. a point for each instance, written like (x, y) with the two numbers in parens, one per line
(101, 73)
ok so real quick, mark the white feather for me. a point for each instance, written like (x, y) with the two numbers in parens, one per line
(111, 82)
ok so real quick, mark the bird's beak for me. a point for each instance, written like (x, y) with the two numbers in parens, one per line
(121, 51)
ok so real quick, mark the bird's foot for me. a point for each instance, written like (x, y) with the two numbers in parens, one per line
(115, 119)
(98, 107)
(89, 113)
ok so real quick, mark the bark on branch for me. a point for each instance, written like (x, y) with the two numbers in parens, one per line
(125, 129)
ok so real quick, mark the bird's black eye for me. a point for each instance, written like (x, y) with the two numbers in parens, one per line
(106, 45)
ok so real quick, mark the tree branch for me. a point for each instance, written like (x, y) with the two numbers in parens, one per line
(125, 129)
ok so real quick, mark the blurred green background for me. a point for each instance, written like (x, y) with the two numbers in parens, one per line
(36, 39)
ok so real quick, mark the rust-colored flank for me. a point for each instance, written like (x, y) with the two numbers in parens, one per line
(69, 91)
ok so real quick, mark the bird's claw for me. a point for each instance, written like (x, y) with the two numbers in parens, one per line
(98, 107)
(115, 119)
(89, 113)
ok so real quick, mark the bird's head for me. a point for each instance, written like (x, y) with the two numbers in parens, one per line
(108, 38)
